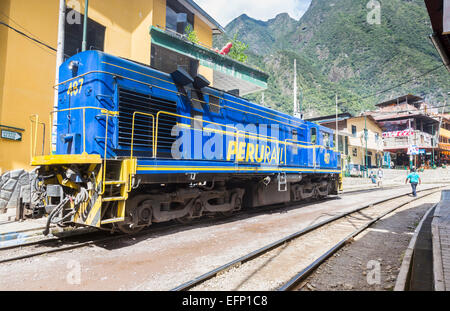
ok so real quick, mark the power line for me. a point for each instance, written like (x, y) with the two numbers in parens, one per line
(403, 83)
(2, 13)
(27, 36)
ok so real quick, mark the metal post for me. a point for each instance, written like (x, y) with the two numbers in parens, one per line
(365, 136)
(84, 44)
(410, 144)
(300, 103)
(438, 134)
(295, 89)
(337, 126)
(433, 139)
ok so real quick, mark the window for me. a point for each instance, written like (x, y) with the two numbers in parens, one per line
(168, 61)
(214, 104)
(73, 36)
(313, 136)
(341, 144)
(354, 130)
(326, 140)
(295, 139)
(178, 17)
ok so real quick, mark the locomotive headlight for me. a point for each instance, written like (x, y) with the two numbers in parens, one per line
(73, 66)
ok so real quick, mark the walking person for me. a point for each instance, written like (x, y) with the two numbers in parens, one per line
(380, 177)
(372, 176)
(414, 179)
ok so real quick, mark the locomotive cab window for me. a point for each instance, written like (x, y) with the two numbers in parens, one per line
(313, 135)
(295, 139)
(326, 140)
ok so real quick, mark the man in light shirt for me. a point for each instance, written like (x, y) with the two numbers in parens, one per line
(380, 177)
(414, 179)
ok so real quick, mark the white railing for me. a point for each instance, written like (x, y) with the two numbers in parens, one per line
(418, 138)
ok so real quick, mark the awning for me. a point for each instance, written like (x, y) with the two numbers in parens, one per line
(228, 73)
(396, 122)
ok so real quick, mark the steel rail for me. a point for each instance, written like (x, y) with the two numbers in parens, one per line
(257, 253)
(292, 283)
(150, 230)
(166, 228)
(64, 236)
(55, 250)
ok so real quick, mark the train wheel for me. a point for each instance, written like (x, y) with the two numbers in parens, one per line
(195, 212)
(139, 213)
(237, 207)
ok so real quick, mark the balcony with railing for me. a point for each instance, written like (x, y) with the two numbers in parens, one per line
(392, 141)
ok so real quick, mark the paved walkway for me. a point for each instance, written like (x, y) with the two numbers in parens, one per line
(441, 243)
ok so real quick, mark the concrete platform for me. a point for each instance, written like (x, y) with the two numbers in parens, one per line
(13, 233)
(440, 228)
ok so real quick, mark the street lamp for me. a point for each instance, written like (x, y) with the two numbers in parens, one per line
(366, 136)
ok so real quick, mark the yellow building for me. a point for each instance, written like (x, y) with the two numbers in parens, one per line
(352, 140)
(146, 31)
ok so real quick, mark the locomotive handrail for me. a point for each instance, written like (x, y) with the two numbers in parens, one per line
(102, 110)
(236, 133)
(35, 123)
(298, 124)
(132, 130)
(313, 147)
(155, 144)
(245, 112)
(105, 112)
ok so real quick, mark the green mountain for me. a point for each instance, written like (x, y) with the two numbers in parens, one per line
(339, 52)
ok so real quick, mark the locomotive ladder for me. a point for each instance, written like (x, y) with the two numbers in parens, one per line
(127, 170)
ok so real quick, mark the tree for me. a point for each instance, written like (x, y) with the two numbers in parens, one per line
(237, 52)
(191, 35)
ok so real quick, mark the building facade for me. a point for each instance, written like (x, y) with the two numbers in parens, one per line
(409, 131)
(358, 149)
(151, 32)
(444, 140)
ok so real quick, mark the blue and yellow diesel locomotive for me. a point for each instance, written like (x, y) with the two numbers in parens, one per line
(136, 146)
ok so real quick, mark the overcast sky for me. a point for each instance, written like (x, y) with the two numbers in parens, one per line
(224, 11)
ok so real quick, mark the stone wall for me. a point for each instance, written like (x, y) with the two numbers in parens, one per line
(10, 186)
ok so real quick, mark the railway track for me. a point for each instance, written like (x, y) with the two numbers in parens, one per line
(281, 260)
(78, 238)
(82, 238)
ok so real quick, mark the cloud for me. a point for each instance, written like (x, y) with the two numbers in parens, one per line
(224, 11)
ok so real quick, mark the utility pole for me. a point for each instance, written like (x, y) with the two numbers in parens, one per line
(433, 141)
(365, 137)
(300, 104)
(295, 89)
(436, 138)
(86, 7)
(59, 61)
(337, 125)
